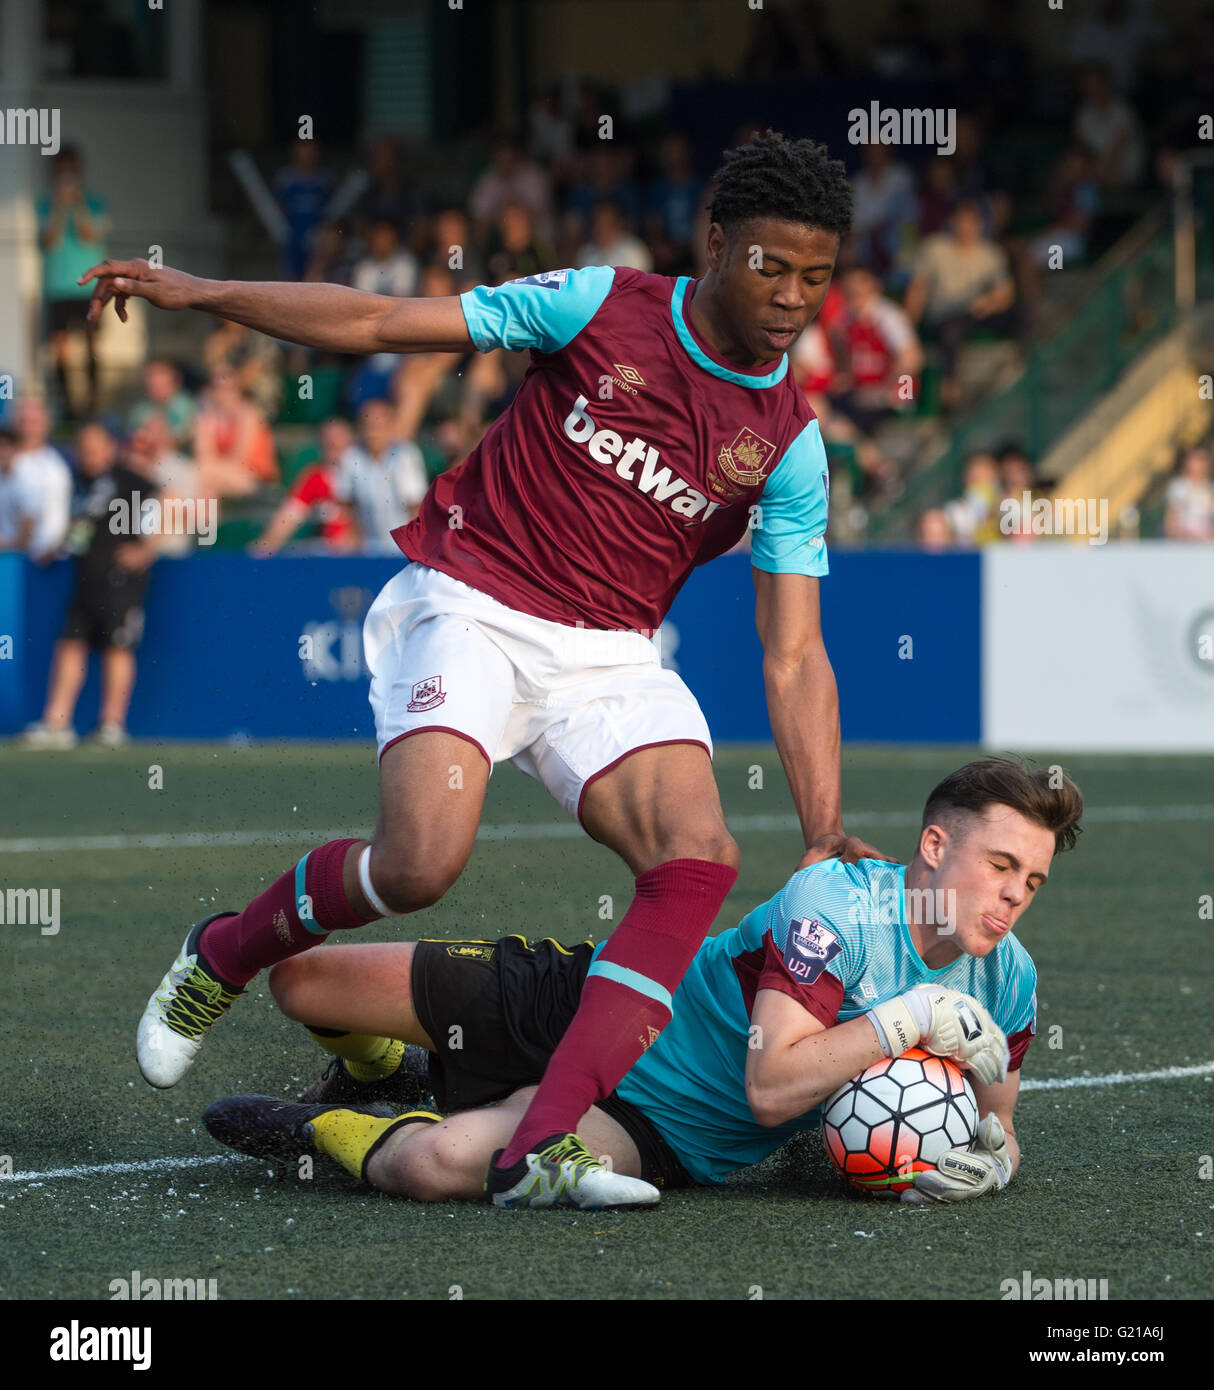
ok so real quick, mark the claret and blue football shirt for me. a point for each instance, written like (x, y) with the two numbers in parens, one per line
(632, 453)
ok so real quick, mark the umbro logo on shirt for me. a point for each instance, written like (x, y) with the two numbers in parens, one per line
(629, 378)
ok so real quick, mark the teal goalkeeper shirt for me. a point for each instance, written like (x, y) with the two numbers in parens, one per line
(835, 938)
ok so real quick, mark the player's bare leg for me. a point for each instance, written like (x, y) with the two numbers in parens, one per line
(660, 811)
(441, 1162)
(420, 1154)
(355, 988)
(428, 818)
(357, 1003)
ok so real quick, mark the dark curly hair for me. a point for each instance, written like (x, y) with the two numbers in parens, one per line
(794, 180)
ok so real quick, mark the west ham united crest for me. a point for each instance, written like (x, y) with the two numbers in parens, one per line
(743, 463)
(427, 694)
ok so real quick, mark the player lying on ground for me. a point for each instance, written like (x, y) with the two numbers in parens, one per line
(845, 965)
(657, 422)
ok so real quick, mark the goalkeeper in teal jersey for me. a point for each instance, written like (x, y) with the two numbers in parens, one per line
(846, 964)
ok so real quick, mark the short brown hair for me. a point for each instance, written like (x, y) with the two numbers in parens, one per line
(1046, 796)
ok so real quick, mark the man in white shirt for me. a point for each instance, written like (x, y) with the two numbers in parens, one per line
(381, 478)
(1107, 128)
(386, 268)
(961, 280)
(20, 504)
(611, 243)
(48, 474)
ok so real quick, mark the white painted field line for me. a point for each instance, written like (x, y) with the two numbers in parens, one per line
(1117, 1078)
(160, 1165)
(521, 830)
(147, 1165)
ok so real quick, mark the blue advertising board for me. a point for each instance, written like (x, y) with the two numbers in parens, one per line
(271, 648)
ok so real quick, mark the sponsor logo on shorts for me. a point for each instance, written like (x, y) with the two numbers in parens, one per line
(811, 946)
(427, 694)
(470, 952)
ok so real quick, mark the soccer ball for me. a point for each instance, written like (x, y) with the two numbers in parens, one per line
(896, 1119)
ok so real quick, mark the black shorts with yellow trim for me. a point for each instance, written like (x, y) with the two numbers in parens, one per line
(495, 1011)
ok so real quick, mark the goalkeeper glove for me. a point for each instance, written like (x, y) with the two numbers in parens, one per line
(986, 1166)
(944, 1022)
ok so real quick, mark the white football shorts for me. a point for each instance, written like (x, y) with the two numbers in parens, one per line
(564, 704)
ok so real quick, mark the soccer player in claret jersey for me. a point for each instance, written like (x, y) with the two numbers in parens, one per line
(657, 420)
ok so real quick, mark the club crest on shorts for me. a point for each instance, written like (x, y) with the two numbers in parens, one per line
(742, 462)
(810, 947)
(427, 694)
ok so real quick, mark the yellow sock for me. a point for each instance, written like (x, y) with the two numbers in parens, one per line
(351, 1138)
(367, 1058)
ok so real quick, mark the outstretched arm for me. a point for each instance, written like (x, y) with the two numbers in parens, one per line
(330, 317)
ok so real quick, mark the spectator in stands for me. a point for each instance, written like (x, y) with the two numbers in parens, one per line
(1115, 40)
(1072, 199)
(256, 360)
(1107, 128)
(971, 167)
(164, 396)
(1016, 473)
(511, 178)
(1017, 484)
(974, 517)
(934, 530)
(233, 446)
(154, 453)
(73, 223)
(382, 478)
(312, 496)
(937, 196)
(330, 262)
(961, 282)
(387, 268)
(673, 200)
(114, 557)
(904, 48)
(1190, 500)
(551, 131)
(20, 502)
(607, 179)
(48, 474)
(514, 249)
(611, 243)
(884, 209)
(388, 197)
(882, 356)
(816, 365)
(303, 190)
(451, 248)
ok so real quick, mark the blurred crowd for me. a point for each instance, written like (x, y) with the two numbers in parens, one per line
(942, 253)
